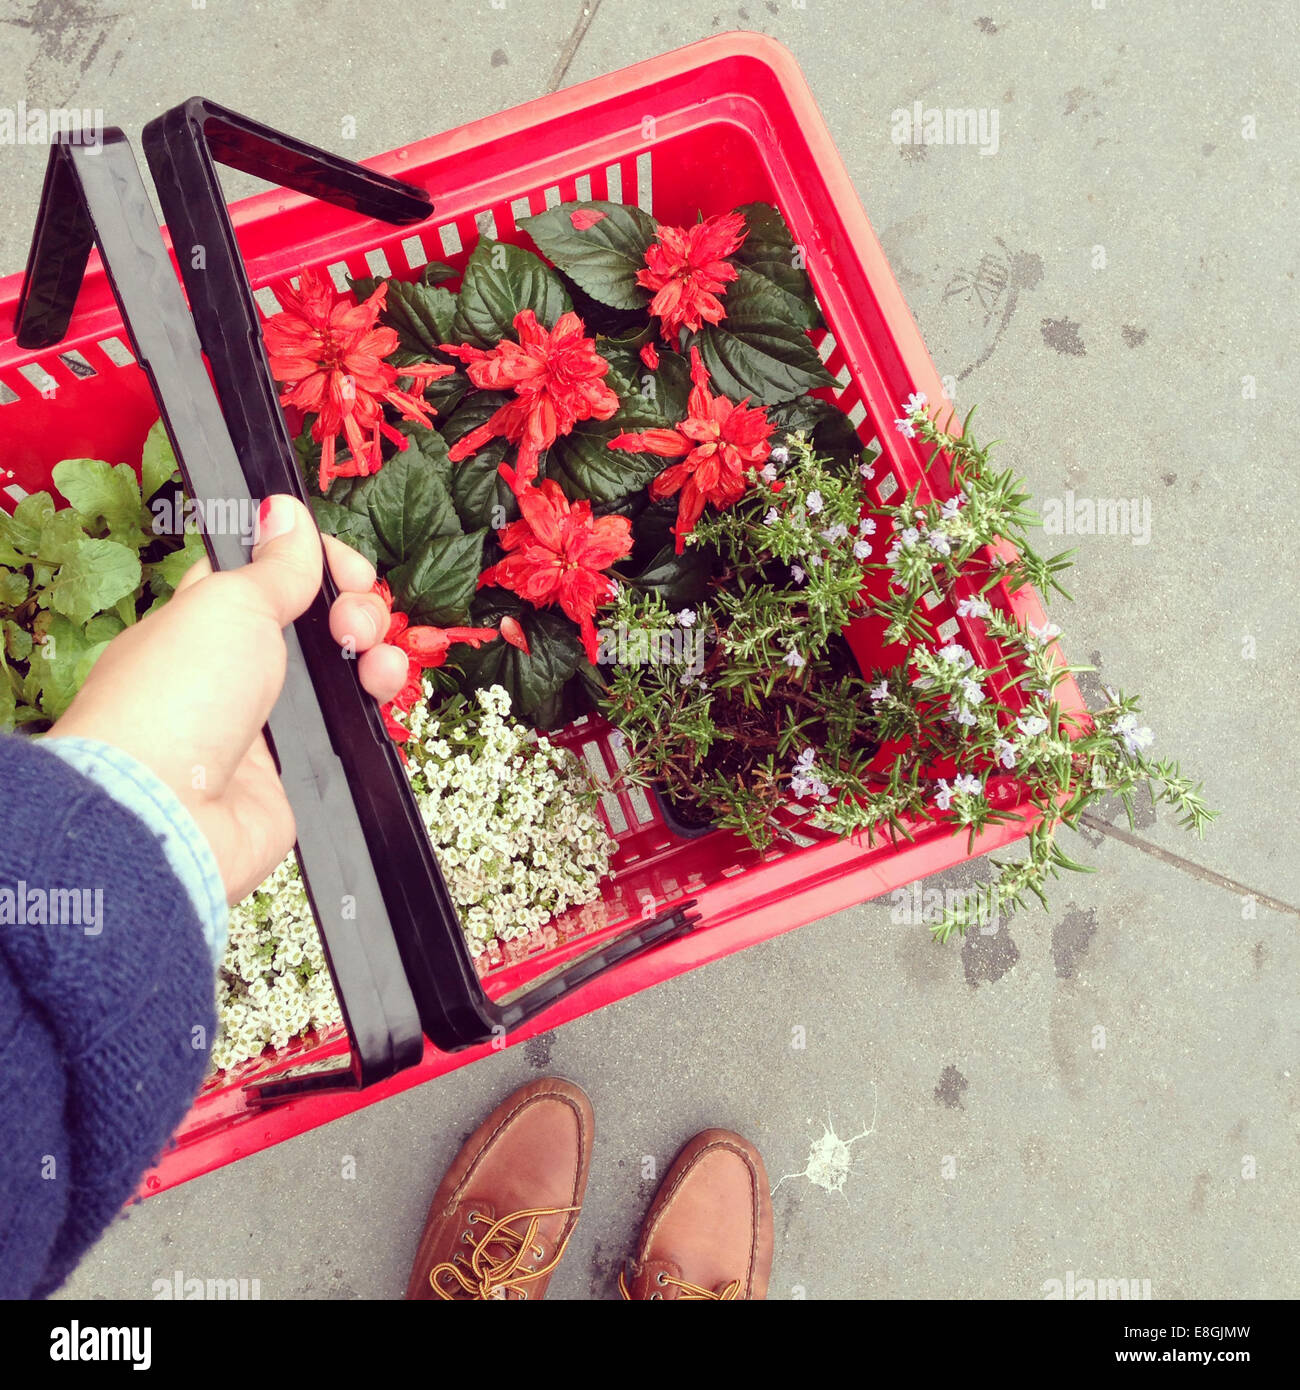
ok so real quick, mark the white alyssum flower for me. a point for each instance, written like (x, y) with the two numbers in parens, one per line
(861, 549)
(686, 618)
(780, 454)
(514, 823)
(814, 502)
(1031, 725)
(973, 608)
(772, 517)
(273, 984)
(880, 691)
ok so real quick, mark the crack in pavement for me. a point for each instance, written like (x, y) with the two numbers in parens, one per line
(1187, 866)
(589, 9)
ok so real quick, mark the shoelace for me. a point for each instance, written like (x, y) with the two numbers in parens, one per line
(492, 1276)
(689, 1292)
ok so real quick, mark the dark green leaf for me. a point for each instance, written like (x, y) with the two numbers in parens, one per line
(680, 580)
(445, 394)
(477, 488)
(756, 351)
(661, 393)
(603, 258)
(482, 496)
(585, 466)
(403, 505)
(769, 250)
(475, 410)
(531, 681)
(423, 316)
(601, 318)
(824, 423)
(353, 528)
(501, 281)
(437, 583)
(308, 452)
(409, 500)
(654, 527)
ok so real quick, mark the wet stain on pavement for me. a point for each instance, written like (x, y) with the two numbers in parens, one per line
(1062, 335)
(1070, 938)
(952, 1086)
(985, 959)
(537, 1051)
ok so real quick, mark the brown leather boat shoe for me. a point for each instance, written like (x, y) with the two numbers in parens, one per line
(708, 1233)
(505, 1210)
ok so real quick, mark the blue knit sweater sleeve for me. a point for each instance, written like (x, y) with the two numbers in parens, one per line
(106, 1011)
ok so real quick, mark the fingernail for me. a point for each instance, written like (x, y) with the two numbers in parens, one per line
(367, 627)
(275, 517)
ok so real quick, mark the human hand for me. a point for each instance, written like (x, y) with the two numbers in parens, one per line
(187, 690)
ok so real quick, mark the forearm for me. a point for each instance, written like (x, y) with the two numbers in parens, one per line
(106, 1008)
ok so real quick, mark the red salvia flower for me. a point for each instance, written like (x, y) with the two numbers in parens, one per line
(558, 379)
(584, 219)
(513, 631)
(650, 356)
(722, 443)
(329, 355)
(687, 269)
(556, 553)
(425, 647)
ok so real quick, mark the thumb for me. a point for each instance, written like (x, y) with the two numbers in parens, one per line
(287, 559)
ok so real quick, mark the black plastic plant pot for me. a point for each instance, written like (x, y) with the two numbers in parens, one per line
(397, 955)
(673, 818)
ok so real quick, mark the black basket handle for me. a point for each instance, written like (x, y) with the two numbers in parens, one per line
(97, 196)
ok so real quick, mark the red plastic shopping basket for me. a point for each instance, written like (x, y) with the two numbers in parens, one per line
(726, 121)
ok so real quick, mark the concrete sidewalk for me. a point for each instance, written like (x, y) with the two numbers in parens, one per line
(1107, 1090)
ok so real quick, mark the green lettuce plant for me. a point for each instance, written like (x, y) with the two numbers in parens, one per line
(72, 577)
